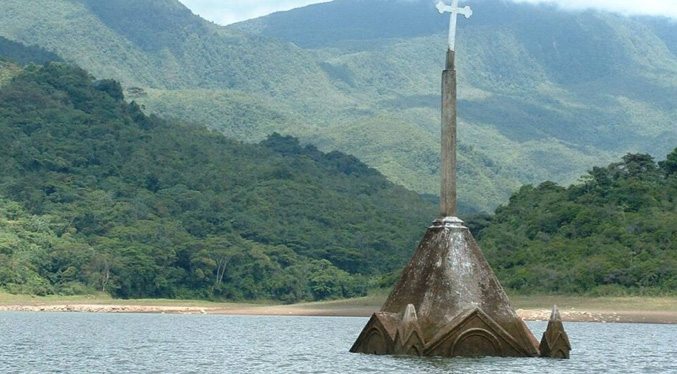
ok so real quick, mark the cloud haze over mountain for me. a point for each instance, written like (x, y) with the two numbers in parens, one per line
(665, 8)
(232, 11)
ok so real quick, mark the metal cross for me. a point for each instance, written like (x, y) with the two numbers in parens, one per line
(455, 11)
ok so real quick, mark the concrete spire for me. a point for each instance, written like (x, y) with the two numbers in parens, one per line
(448, 301)
(448, 202)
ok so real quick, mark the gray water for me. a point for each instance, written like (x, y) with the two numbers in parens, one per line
(156, 343)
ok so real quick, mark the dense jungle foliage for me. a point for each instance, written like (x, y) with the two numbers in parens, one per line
(613, 233)
(97, 196)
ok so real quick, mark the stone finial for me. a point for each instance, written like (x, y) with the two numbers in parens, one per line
(555, 342)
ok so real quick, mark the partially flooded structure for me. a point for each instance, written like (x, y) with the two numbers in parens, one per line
(448, 301)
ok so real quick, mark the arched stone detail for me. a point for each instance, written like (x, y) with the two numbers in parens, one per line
(413, 351)
(375, 342)
(413, 346)
(476, 342)
(561, 354)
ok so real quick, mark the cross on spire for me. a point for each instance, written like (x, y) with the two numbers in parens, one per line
(442, 7)
(448, 203)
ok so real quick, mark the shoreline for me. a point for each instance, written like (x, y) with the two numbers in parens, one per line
(332, 309)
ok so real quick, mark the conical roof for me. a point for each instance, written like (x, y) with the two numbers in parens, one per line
(447, 277)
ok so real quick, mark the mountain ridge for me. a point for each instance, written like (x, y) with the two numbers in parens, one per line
(543, 94)
(97, 196)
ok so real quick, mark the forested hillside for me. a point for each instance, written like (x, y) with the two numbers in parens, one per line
(8, 69)
(544, 93)
(613, 233)
(97, 196)
(23, 54)
(13, 55)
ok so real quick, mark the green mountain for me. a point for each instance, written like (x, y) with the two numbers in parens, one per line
(12, 54)
(544, 93)
(95, 195)
(22, 54)
(614, 233)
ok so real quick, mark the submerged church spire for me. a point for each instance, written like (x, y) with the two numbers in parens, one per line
(448, 301)
(448, 200)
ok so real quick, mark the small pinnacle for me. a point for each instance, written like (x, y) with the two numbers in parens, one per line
(555, 314)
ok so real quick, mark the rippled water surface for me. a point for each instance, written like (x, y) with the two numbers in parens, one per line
(156, 343)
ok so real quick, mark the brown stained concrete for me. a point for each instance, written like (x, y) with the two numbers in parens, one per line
(449, 140)
(555, 342)
(448, 302)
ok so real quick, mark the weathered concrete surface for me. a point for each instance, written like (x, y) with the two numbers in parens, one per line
(555, 342)
(448, 204)
(448, 301)
(461, 308)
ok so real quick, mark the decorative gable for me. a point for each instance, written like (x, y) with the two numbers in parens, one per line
(474, 334)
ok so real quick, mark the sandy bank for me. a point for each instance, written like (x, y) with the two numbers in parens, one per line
(664, 317)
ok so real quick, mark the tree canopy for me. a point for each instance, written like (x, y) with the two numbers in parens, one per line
(97, 196)
(614, 232)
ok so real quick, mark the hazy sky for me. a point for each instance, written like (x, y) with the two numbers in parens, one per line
(228, 11)
(635, 7)
(225, 12)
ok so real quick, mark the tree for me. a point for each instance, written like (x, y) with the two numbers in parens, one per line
(669, 166)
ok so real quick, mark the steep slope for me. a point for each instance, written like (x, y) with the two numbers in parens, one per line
(25, 54)
(13, 54)
(267, 89)
(664, 28)
(161, 44)
(544, 93)
(141, 207)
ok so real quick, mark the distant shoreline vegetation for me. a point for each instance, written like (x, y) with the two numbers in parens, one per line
(613, 233)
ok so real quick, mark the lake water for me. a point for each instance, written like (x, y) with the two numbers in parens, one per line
(157, 343)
